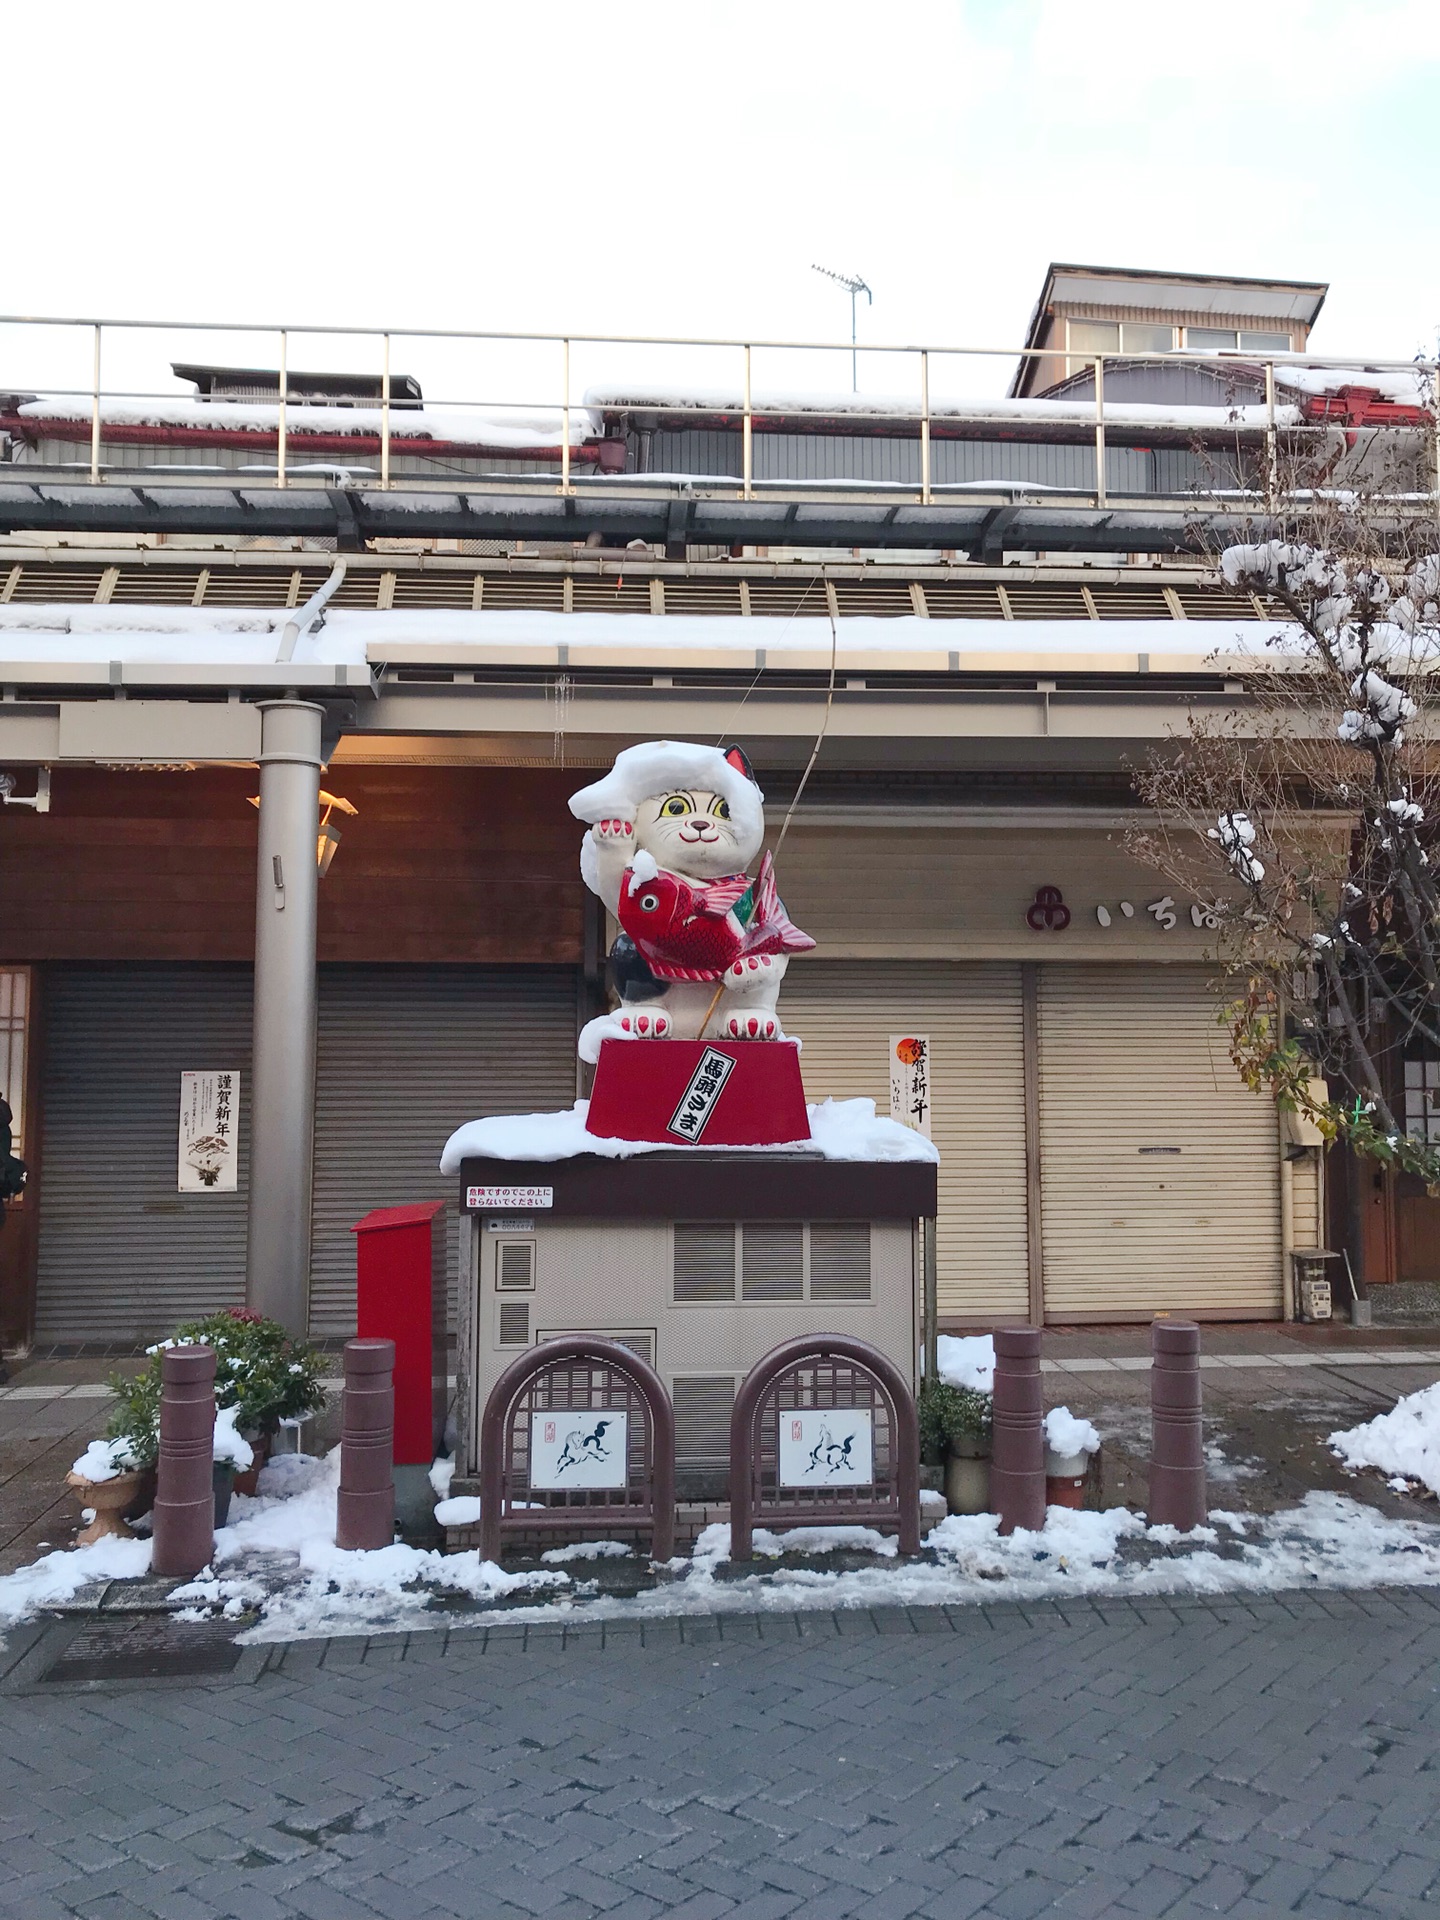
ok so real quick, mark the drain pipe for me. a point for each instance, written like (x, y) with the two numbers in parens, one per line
(311, 617)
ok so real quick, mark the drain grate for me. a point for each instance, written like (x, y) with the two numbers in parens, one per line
(147, 1647)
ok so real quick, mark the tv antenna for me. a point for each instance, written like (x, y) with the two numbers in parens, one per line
(854, 286)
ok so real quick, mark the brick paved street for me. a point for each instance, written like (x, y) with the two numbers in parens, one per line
(1245, 1758)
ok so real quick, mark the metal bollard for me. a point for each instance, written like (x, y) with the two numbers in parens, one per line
(183, 1528)
(365, 1509)
(1017, 1468)
(1177, 1446)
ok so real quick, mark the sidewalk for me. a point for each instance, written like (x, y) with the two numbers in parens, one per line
(1272, 1395)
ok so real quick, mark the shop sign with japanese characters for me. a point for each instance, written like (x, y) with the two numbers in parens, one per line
(578, 1447)
(209, 1132)
(826, 1447)
(697, 1103)
(910, 1081)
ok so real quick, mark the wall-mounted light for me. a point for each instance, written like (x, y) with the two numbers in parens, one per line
(328, 837)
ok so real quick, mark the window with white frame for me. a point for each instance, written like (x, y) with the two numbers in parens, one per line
(1422, 1101)
(1236, 340)
(14, 1037)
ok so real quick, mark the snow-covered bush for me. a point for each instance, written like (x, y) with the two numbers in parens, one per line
(260, 1372)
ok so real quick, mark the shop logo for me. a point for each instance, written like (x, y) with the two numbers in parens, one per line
(698, 1101)
(1048, 912)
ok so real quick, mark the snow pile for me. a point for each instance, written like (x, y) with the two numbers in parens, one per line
(839, 1130)
(1404, 1443)
(442, 1472)
(323, 1588)
(105, 1460)
(58, 1577)
(462, 1511)
(587, 1550)
(1067, 1435)
(229, 1445)
(968, 1361)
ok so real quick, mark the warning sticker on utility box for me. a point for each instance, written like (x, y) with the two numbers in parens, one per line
(508, 1199)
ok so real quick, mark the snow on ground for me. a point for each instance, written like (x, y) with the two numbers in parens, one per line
(1404, 1443)
(839, 1130)
(278, 1560)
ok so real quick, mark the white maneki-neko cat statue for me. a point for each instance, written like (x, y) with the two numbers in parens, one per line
(674, 828)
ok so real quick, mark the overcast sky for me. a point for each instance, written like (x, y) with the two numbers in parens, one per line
(676, 168)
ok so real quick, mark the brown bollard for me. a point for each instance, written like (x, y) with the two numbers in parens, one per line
(1017, 1467)
(1177, 1446)
(183, 1527)
(365, 1509)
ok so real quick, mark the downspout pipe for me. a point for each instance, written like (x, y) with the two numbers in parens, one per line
(311, 617)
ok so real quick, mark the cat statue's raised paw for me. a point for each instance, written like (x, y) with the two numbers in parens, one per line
(673, 828)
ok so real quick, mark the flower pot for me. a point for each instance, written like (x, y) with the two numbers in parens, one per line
(967, 1477)
(222, 1478)
(109, 1499)
(247, 1481)
(1065, 1476)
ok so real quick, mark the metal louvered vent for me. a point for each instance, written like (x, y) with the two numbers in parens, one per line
(704, 1261)
(71, 586)
(963, 600)
(542, 592)
(885, 598)
(515, 1266)
(252, 587)
(703, 1404)
(1131, 603)
(773, 1260)
(840, 1260)
(1211, 603)
(624, 594)
(156, 587)
(779, 599)
(514, 1323)
(455, 590)
(1062, 601)
(703, 596)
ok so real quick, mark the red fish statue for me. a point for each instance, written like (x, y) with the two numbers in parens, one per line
(691, 932)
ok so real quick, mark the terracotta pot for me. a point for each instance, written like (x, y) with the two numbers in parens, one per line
(247, 1479)
(1065, 1479)
(967, 1477)
(109, 1498)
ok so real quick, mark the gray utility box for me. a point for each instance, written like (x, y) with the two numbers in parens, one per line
(702, 1262)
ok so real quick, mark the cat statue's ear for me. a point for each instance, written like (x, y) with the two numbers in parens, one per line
(737, 758)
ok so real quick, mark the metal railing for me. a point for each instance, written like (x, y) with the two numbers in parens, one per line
(1264, 430)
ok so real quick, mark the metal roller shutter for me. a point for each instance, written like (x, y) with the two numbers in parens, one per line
(406, 1054)
(845, 1012)
(123, 1255)
(1132, 1068)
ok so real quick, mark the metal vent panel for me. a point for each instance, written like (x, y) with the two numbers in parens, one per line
(703, 1403)
(515, 1265)
(772, 1260)
(704, 1261)
(514, 1323)
(840, 1260)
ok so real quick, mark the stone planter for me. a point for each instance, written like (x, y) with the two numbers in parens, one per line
(967, 1477)
(247, 1479)
(222, 1478)
(1065, 1477)
(109, 1499)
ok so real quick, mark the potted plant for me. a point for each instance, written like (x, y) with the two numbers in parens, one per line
(262, 1377)
(955, 1428)
(107, 1480)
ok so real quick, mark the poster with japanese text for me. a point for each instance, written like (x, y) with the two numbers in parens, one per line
(209, 1132)
(910, 1081)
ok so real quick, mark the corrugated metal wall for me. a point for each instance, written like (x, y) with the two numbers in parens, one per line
(406, 1055)
(846, 1013)
(123, 1255)
(804, 456)
(1160, 1169)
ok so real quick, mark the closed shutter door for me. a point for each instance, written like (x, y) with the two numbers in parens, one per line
(1133, 1067)
(406, 1055)
(845, 1012)
(123, 1254)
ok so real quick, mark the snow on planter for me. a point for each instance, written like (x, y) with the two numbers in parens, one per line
(1067, 1436)
(968, 1360)
(1404, 1442)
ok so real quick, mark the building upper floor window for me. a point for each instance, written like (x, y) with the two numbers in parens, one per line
(1148, 336)
(1228, 340)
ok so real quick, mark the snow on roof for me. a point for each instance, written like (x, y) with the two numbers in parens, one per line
(839, 1130)
(459, 426)
(176, 635)
(1405, 386)
(1001, 410)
